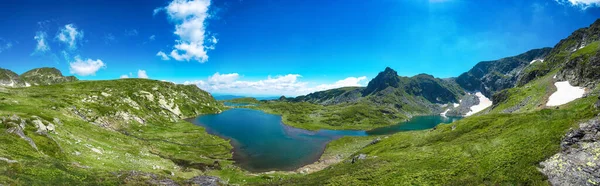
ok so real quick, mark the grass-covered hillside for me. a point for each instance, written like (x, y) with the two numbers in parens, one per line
(127, 131)
(45, 76)
(491, 149)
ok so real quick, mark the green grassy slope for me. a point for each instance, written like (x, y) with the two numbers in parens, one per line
(487, 149)
(360, 115)
(94, 143)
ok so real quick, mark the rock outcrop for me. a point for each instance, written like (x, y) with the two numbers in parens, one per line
(577, 163)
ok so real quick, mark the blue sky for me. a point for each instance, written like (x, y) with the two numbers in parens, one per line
(272, 47)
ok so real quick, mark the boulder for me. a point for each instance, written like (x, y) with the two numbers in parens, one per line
(359, 157)
(375, 141)
(40, 126)
(50, 127)
(597, 105)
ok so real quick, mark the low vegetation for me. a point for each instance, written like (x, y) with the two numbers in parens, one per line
(488, 149)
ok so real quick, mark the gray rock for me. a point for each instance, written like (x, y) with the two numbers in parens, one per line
(597, 105)
(375, 141)
(517, 107)
(577, 163)
(57, 121)
(8, 160)
(204, 181)
(19, 132)
(359, 157)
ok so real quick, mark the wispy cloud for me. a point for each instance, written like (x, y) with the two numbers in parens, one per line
(289, 85)
(152, 38)
(189, 17)
(85, 67)
(70, 36)
(583, 4)
(109, 39)
(5, 45)
(42, 44)
(133, 32)
(162, 56)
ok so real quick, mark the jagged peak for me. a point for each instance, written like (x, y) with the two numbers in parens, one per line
(386, 78)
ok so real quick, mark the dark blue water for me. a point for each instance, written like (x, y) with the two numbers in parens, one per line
(230, 104)
(263, 143)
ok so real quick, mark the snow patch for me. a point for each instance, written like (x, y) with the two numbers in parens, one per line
(444, 113)
(565, 93)
(27, 84)
(456, 104)
(537, 60)
(484, 102)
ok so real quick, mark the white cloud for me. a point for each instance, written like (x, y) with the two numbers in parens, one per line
(152, 37)
(85, 67)
(189, 17)
(124, 76)
(288, 85)
(70, 36)
(348, 82)
(42, 46)
(584, 4)
(162, 55)
(142, 74)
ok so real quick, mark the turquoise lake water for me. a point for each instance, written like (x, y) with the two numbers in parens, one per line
(263, 143)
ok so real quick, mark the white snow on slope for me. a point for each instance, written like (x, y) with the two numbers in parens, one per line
(536, 60)
(565, 93)
(444, 113)
(484, 102)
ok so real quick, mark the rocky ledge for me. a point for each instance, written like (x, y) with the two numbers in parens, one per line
(578, 163)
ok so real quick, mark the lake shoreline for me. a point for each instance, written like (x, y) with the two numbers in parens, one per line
(321, 155)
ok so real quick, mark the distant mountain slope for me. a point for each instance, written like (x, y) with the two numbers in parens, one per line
(10, 79)
(38, 76)
(333, 96)
(45, 76)
(489, 77)
(578, 54)
(432, 89)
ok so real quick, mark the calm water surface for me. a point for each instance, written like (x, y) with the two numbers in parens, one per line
(263, 143)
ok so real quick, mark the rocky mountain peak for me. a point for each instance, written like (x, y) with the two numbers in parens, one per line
(388, 77)
(45, 76)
